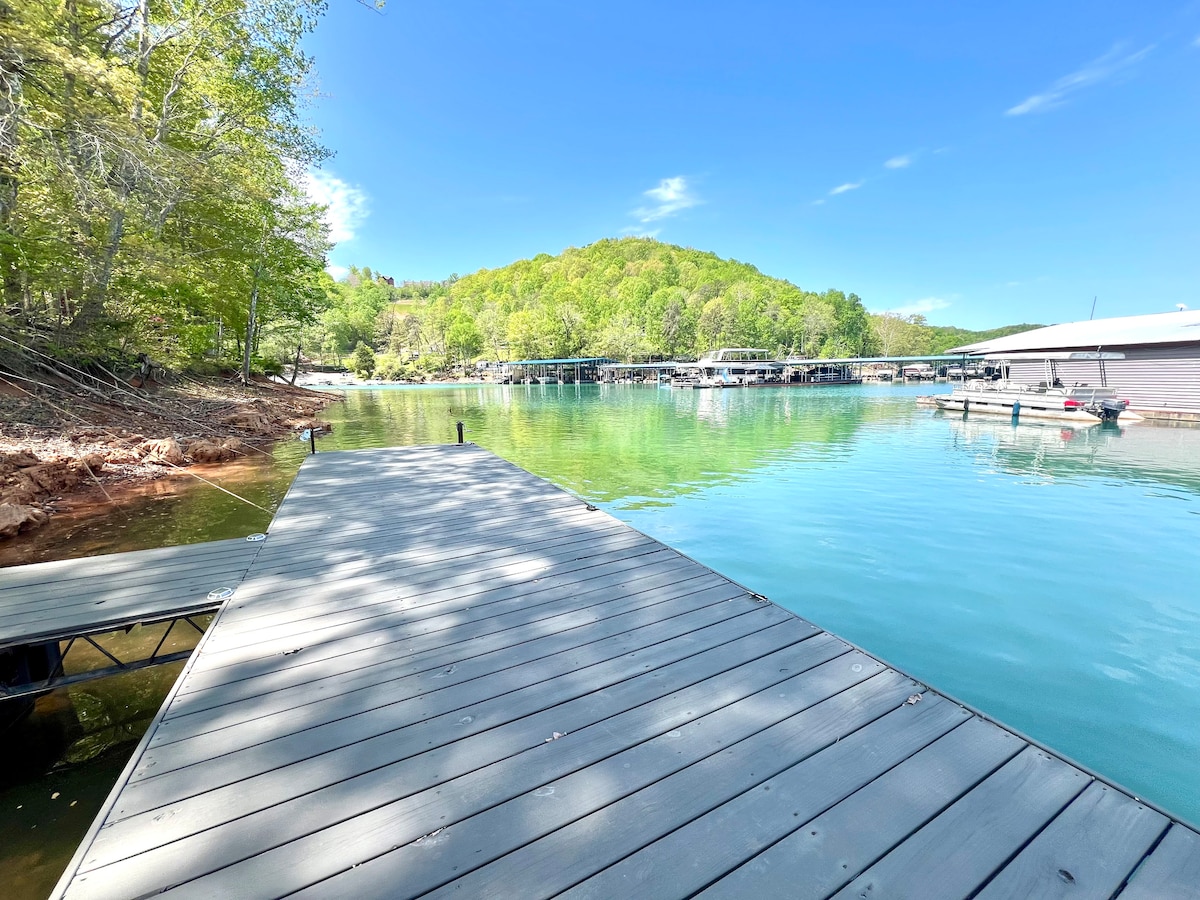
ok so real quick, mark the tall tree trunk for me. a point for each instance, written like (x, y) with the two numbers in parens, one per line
(250, 323)
(296, 365)
(10, 101)
(93, 306)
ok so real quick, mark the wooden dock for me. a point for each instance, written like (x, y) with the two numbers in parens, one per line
(59, 600)
(443, 676)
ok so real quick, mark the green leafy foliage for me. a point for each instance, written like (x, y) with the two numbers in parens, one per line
(911, 336)
(149, 156)
(625, 299)
(363, 361)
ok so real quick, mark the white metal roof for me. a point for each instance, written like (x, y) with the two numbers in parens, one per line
(1158, 328)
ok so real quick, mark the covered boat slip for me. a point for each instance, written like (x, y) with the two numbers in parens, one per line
(444, 676)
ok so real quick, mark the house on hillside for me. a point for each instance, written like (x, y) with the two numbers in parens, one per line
(1158, 372)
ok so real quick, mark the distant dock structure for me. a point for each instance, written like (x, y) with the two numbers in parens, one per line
(442, 676)
(1158, 369)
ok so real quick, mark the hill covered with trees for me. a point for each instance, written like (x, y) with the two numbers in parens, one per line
(626, 299)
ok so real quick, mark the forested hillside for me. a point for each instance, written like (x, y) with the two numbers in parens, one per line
(626, 299)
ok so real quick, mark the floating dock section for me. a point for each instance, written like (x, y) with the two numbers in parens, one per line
(443, 676)
(46, 606)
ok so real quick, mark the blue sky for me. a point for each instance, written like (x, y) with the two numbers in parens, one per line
(981, 164)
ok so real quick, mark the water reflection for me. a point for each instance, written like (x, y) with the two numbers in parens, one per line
(1048, 575)
(1145, 453)
(620, 444)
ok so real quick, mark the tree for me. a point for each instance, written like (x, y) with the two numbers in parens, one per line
(623, 298)
(147, 156)
(363, 361)
(892, 332)
(463, 339)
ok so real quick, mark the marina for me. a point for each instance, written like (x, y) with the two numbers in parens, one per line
(417, 700)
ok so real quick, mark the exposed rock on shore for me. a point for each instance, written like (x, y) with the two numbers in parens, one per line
(47, 452)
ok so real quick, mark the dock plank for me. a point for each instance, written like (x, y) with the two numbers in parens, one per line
(746, 822)
(819, 856)
(1088, 850)
(608, 811)
(42, 602)
(963, 847)
(311, 837)
(456, 713)
(443, 674)
(1171, 871)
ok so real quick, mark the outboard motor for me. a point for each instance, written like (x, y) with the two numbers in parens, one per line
(1107, 409)
(1110, 409)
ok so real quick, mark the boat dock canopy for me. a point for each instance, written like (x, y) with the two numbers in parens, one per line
(584, 360)
(615, 367)
(854, 360)
(443, 674)
(1125, 331)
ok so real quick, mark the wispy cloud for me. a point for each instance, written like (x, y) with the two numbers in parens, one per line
(898, 162)
(346, 205)
(922, 307)
(337, 273)
(1196, 42)
(848, 186)
(672, 196)
(1107, 66)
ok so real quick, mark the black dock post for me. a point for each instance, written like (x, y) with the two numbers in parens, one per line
(459, 425)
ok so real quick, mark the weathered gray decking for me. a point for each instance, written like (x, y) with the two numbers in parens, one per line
(60, 600)
(443, 676)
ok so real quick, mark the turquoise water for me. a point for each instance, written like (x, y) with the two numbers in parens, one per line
(1049, 577)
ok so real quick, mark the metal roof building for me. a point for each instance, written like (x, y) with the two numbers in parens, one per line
(1159, 374)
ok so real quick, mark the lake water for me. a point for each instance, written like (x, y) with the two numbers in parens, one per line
(1049, 577)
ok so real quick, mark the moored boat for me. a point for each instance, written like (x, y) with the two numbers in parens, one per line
(1082, 404)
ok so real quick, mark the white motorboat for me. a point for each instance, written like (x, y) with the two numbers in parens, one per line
(918, 372)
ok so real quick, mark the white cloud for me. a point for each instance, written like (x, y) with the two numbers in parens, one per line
(346, 205)
(921, 307)
(337, 273)
(671, 197)
(820, 202)
(898, 162)
(848, 186)
(1107, 66)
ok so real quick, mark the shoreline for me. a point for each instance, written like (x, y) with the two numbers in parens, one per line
(74, 452)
